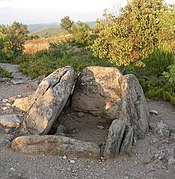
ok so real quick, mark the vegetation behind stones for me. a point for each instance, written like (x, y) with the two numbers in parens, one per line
(140, 39)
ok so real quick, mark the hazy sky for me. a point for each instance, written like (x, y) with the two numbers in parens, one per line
(40, 11)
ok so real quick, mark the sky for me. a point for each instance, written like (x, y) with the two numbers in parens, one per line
(48, 11)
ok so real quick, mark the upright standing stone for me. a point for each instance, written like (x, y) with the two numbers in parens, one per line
(115, 138)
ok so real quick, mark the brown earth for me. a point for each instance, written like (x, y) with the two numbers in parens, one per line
(150, 158)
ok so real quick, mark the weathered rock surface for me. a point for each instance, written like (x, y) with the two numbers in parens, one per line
(114, 139)
(106, 92)
(22, 103)
(97, 91)
(5, 139)
(11, 120)
(55, 145)
(49, 100)
(126, 146)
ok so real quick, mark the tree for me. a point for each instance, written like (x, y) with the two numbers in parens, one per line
(66, 24)
(134, 33)
(5, 48)
(17, 33)
(81, 33)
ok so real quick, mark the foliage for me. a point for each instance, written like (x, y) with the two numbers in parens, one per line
(5, 47)
(81, 33)
(66, 24)
(58, 55)
(152, 75)
(170, 74)
(12, 40)
(140, 27)
(4, 73)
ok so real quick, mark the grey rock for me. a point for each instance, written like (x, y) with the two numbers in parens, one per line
(17, 82)
(114, 139)
(55, 145)
(152, 126)
(171, 160)
(11, 120)
(49, 100)
(4, 100)
(100, 127)
(126, 147)
(72, 161)
(154, 112)
(162, 129)
(104, 91)
(80, 114)
(5, 139)
(60, 130)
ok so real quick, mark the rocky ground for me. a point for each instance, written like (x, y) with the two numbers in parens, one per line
(153, 157)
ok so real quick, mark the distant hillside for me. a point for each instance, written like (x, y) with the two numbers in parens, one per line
(39, 27)
(46, 32)
(50, 29)
(90, 23)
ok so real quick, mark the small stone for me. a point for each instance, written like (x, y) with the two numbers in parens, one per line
(72, 161)
(17, 82)
(60, 130)
(10, 120)
(7, 130)
(171, 161)
(80, 114)
(64, 157)
(8, 105)
(156, 156)
(100, 127)
(4, 108)
(154, 112)
(152, 126)
(4, 100)
(12, 169)
(162, 129)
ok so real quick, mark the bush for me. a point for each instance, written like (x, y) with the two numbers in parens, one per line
(5, 74)
(60, 55)
(157, 75)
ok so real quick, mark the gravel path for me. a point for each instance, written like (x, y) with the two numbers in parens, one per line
(150, 158)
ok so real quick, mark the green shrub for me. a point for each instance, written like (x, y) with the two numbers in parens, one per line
(5, 74)
(59, 55)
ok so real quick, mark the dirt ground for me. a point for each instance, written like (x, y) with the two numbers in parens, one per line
(152, 157)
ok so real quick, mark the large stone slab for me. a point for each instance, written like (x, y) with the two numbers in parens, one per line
(98, 91)
(104, 91)
(55, 145)
(49, 100)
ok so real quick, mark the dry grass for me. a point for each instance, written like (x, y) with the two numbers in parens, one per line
(35, 45)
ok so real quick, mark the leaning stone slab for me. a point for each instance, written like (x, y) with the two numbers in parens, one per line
(114, 139)
(55, 145)
(49, 100)
(11, 120)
